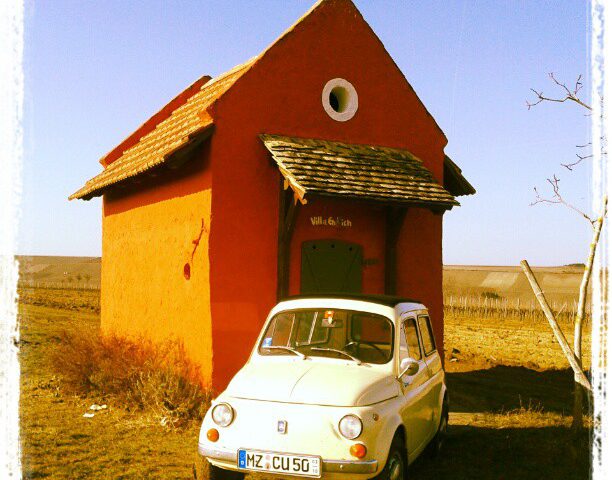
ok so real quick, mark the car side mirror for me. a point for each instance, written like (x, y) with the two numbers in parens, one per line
(408, 366)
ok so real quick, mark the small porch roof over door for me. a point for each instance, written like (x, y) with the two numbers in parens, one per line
(366, 172)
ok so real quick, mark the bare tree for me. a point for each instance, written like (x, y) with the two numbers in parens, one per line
(568, 94)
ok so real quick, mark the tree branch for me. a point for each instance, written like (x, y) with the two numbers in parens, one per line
(570, 166)
(581, 311)
(557, 198)
(569, 94)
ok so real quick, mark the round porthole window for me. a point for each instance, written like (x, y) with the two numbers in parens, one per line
(339, 99)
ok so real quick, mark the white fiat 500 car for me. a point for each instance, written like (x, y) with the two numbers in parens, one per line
(348, 387)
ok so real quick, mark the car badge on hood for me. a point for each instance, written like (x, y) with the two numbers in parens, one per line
(281, 427)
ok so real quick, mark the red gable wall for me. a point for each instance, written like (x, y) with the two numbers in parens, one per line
(281, 94)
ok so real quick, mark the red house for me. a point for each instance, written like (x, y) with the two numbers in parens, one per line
(313, 167)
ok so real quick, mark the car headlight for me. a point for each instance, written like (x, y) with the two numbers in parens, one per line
(350, 427)
(223, 414)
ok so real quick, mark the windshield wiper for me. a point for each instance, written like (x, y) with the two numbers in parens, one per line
(288, 349)
(335, 350)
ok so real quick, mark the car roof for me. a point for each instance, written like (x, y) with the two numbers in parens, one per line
(387, 300)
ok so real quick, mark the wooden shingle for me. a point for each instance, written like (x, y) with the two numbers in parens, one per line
(186, 123)
(366, 172)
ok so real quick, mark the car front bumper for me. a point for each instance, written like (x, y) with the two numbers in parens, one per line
(228, 457)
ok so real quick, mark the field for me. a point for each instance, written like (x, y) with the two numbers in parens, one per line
(511, 392)
(59, 272)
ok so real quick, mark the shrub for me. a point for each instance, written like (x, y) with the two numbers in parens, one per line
(490, 295)
(155, 378)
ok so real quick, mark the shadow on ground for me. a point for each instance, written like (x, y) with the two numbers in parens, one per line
(502, 388)
(507, 453)
(514, 448)
(503, 454)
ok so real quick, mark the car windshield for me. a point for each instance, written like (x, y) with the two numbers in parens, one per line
(344, 334)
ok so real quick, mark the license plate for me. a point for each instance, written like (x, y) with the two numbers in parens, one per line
(303, 465)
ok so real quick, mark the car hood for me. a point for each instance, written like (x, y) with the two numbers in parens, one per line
(311, 382)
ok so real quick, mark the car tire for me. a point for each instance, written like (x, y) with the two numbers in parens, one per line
(437, 443)
(396, 467)
(216, 473)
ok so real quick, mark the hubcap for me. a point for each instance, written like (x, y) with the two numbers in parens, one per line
(395, 468)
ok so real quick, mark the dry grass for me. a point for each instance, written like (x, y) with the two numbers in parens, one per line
(156, 379)
(474, 341)
(510, 393)
(57, 441)
(529, 417)
(76, 300)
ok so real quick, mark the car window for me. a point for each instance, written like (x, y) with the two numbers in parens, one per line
(282, 330)
(370, 328)
(429, 344)
(319, 333)
(310, 330)
(412, 339)
(337, 333)
(304, 325)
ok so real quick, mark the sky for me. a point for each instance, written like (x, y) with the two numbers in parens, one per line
(96, 70)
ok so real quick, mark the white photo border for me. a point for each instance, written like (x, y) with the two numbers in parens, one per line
(11, 153)
(601, 42)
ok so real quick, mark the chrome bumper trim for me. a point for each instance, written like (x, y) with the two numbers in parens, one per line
(328, 466)
(349, 466)
(220, 454)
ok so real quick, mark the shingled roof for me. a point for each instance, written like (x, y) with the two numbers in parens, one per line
(376, 173)
(454, 181)
(357, 171)
(186, 123)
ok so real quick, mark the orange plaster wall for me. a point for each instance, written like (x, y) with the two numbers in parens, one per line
(281, 94)
(148, 236)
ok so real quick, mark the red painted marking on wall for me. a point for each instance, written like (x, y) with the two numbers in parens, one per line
(196, 242)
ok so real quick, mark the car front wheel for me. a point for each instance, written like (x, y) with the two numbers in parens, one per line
(395, 468)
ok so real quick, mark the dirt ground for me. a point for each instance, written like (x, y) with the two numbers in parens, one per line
(510, 397)
(472, 342)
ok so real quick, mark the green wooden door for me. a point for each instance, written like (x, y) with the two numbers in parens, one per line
(331, 266)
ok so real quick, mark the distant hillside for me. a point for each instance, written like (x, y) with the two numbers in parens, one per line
(560, 283)
(57, 271)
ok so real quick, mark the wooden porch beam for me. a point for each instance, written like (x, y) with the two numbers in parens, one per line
(287, 210)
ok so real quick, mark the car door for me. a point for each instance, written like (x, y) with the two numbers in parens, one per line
(434, 365)
(416, 408)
